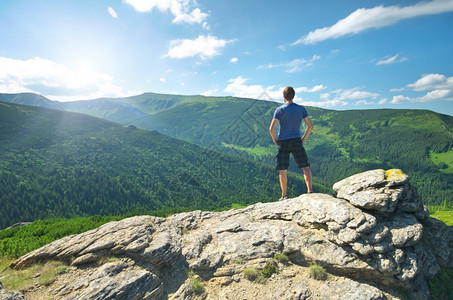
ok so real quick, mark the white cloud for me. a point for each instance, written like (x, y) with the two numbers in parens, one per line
(382, 101)
(376, 17)
(391, 60)
(234, 60)
(238, 88)
(432, 82)
(112, 12)
(203, 46)
(396, 90)
(436, 95)
(210, 92)
(206, 26)
(314, 89)
(55, 80)
(438, 87)
(327, 103)
(355, 93)
(181, 9)
(196, 16)
(162, 79)
(293, 66)
(341, 97)
(351, 94)
(400, 99)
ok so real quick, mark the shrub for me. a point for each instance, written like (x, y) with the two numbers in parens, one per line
(197, 285)
(195, 282)
(281, 257)
(251, 273)
(318, 272)
(268, 270)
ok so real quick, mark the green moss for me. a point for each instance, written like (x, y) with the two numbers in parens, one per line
(393, 174)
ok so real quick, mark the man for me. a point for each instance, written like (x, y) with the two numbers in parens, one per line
(290, 140)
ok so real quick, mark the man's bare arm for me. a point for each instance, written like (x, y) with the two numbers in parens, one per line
(272, 130)
(309, 129)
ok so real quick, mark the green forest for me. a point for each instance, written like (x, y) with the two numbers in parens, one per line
(60, 164)
(343, 143)
(57, 164)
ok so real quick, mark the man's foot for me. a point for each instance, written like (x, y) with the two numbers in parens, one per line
(284, 197)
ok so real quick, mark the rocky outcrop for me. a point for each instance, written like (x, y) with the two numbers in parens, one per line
(374, 238)
(10, 295)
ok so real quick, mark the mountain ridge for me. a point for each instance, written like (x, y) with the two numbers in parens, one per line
(342, 143)
(62, 164)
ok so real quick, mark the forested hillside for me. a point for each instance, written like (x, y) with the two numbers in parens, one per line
(62, 164)
(343, 142)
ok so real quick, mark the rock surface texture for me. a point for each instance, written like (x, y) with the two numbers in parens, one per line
(10, 295)
(374, 238)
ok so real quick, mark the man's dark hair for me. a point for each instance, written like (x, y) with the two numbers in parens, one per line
(289, 93)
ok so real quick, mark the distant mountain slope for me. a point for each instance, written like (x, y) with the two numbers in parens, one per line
(342, 143)
(30, 99)
(62, 164)
(124, 110)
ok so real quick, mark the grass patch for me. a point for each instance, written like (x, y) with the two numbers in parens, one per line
(40, 273)
(268, 270)
(445, 216)
(444, 161)
(256, 152)
(260, 276)
(281, 257)
(239, 261)
(196, 284)
(237, 206)
(5, 262)
(251, 273)
(317, 272)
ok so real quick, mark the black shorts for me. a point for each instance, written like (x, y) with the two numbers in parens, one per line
(294, 146)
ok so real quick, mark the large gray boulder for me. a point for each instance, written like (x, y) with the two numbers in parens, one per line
(375, 230)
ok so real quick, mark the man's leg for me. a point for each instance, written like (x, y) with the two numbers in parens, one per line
(283, 181)
(307, 177)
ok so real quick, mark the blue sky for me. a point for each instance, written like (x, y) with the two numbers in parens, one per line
(346, 54)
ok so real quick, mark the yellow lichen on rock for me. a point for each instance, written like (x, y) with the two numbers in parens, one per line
(394, 174)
